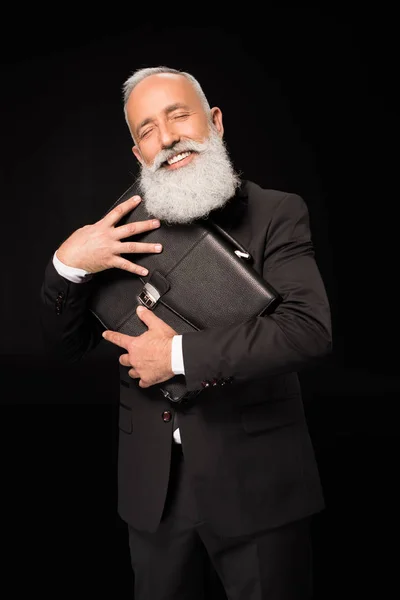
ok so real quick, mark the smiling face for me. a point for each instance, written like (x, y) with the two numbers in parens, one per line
(163, 110)
(185, 168)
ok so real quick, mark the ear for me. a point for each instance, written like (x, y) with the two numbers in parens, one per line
(137, 154)
(216, 117)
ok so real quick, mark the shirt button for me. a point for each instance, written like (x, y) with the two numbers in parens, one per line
(166, 416)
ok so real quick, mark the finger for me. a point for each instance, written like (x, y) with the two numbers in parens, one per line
(124, 360)
(138, 248)
(124, 231)
(119, 339)
(122, 209)
(133, 373)
(148, 316)
(144, 384)
(152, 321)
(126, 265)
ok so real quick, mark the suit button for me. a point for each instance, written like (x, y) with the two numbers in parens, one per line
(166, 416)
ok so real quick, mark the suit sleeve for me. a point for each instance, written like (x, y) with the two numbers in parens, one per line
(295, 335)
(69, 329)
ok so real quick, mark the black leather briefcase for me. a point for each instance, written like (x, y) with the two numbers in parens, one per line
(201, 279)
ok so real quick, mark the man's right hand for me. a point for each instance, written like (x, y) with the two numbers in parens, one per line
(98, 247)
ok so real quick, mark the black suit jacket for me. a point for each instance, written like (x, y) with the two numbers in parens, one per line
(246, 443)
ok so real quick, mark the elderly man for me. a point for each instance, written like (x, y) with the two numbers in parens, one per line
(233, 479)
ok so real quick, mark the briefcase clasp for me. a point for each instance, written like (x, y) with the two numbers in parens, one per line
(149, 296)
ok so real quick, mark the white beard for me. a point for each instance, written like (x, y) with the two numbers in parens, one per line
(193, 191)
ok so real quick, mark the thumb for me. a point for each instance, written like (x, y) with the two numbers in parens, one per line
(147, 316)
(150, 319)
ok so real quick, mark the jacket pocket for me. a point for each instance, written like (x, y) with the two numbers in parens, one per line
(125, 418)
(272, 415)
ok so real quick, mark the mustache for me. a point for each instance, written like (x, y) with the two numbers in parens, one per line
(179, 147)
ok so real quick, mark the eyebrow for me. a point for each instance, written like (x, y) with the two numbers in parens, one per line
(169, 109)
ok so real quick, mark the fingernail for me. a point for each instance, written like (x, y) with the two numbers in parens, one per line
(156, 223)
(140, 308)
(158, 247)
(144, 272)
(136, 198)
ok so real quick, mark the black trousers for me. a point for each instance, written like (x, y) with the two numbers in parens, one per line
(174, 562)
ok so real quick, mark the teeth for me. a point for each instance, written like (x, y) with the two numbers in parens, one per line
(177, 158)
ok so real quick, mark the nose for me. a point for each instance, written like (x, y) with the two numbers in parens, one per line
(168, 136)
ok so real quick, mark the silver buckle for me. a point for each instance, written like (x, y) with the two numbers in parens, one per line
(149, 296)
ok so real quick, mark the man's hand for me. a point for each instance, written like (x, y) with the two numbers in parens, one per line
(148, 355)
(98, 246)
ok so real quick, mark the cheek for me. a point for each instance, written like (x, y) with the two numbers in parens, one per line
(149, 152)
(196, 130)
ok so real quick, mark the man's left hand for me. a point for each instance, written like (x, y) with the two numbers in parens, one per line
(148, 355)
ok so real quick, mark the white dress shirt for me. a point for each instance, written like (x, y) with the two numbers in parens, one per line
(79, 276)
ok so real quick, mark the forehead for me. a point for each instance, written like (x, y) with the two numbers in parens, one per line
(152, 95)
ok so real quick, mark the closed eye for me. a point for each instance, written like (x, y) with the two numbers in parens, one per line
(145, 133)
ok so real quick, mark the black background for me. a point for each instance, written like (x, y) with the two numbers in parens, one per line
(310, 106)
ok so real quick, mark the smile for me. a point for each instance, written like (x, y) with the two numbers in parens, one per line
(178, 160)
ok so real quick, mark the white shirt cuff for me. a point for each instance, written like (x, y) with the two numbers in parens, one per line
(177, 356)
(71, 273)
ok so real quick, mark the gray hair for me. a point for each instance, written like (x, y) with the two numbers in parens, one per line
(140, 74)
